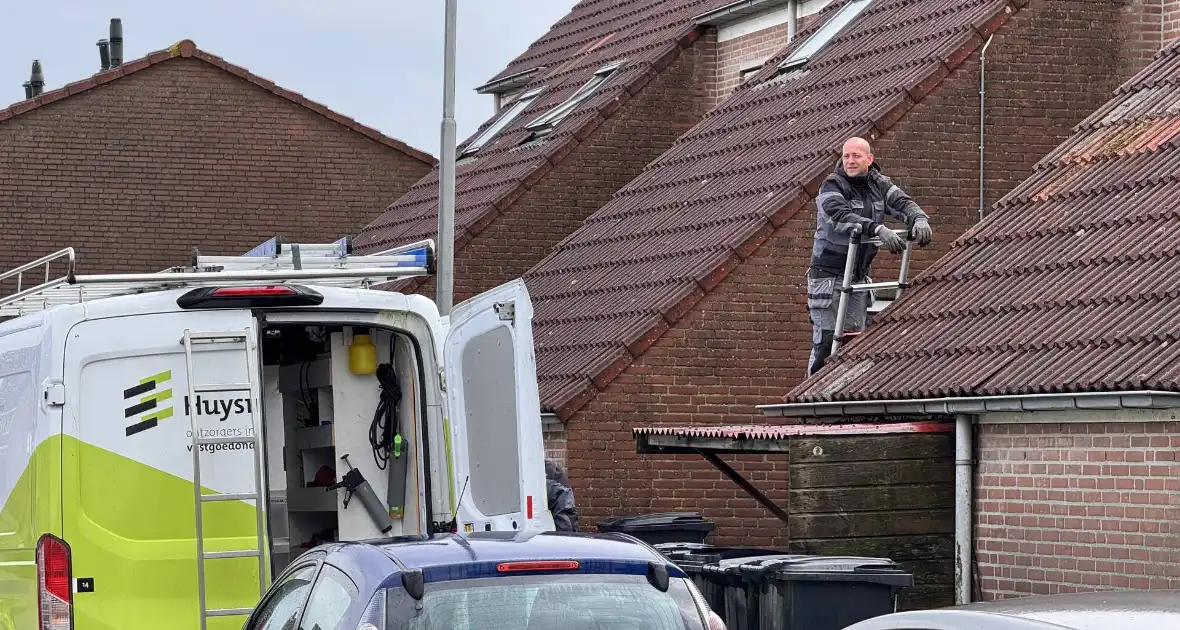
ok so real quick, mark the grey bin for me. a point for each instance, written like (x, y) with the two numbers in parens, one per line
(822, 592)
(692, 558)
(731, 594)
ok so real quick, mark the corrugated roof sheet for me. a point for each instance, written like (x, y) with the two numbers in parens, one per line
(639, 264)
(1072, 284)
(647, 33)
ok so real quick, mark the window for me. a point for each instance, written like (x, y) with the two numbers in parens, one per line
(825, 34)
(545, 124)
(281, 609)
(503, 121)
(330, 599)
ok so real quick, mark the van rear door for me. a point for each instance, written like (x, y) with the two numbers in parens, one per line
(128, 500)
(494, 410)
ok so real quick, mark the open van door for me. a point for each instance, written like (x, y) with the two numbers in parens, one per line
(494, 409)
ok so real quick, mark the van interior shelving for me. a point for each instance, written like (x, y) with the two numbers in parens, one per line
(315, 411)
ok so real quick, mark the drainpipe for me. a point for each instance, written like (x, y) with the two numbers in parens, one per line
(963, 508)
(792, 19)
(982, 94)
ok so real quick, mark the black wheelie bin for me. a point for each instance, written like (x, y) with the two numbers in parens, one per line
(664, 527)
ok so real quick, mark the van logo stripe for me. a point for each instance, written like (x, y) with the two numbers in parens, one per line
(147, 403)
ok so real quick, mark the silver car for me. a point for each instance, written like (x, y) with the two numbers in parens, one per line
(1105, 610)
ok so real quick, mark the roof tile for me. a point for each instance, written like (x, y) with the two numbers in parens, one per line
(672, 234)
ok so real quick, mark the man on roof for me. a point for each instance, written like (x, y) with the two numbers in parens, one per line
(857, 193)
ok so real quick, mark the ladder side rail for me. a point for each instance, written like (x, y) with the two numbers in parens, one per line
(200, 533)
(18, 272)
(845, 288)
(261, 492)
(379, 274)
(903, 275)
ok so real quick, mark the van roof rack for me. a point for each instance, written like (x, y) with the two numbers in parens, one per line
(330, 264)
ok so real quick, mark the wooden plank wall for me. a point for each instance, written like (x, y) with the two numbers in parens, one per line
(888, 496)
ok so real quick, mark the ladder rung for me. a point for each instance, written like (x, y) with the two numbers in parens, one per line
(233, 496)
(245, 553)
(227, 387)
(228, 612)
(216, 336)
(873, 286)
(225, 440)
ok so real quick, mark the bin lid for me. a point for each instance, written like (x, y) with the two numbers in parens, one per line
(733, 566)
(661, 520)
(835, 568)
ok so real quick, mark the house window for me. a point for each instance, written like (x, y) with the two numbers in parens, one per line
(544, 124)
(824, 34)
(518, 106)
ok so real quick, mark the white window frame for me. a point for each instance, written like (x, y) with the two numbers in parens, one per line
(553, 117)
(833, 27)
(515, 109)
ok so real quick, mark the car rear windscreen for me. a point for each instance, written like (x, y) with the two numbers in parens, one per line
(567, 602)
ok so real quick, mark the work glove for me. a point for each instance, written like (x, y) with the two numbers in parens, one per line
(890, 239)
(922, 232)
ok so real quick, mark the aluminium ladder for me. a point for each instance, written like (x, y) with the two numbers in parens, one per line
(245, 339)
(329, 264)
(847, 288)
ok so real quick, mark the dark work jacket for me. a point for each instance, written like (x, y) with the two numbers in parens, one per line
(845, 202)
(561, 497)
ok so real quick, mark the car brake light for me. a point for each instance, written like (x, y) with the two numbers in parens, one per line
(258, 296)
(537, 565)
(253, 291)
(54, 580)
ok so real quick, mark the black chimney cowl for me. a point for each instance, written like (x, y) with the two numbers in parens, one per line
(104, 54)
(116, 42)
(37, 80)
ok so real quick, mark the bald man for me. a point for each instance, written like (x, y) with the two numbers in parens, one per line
(857, 193)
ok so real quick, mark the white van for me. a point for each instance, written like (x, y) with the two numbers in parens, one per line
(140, 415)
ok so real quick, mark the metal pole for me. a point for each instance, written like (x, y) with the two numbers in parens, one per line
(963, 508)
(792, 19)
(445, 281)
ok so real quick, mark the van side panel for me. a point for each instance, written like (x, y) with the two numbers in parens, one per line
(30, 459)
(128, 472)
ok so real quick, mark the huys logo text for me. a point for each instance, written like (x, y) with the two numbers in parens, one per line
(147, 396)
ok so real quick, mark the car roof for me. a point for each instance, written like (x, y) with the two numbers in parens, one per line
(504, 546)
(1100, 610)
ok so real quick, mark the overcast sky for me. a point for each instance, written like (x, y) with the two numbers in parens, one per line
(378, 62)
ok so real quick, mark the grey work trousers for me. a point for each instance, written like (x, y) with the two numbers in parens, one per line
(823, 304)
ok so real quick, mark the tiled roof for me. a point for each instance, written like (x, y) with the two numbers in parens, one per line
(648, 34)
(639, 264)
(186, 48)
(1071, 284)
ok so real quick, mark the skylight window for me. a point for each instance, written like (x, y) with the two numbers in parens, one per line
(824, 35)
(545, 123)
(503, 121)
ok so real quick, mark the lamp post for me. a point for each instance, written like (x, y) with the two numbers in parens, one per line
(446, 172)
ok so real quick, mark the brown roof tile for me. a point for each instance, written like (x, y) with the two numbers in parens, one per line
(648, 34)
(641, 262)
(1072, 284)
(186, 48)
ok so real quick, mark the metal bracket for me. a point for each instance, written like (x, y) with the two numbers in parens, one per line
(55, 395)
(442, 380)
(737, 478)
(506, 311)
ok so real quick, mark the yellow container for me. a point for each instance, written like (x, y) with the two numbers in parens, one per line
(362, 355)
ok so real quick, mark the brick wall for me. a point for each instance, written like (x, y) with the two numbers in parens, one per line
(736, 55)
(613, 155)
(1062, 508)
(747, 342)
(136, 172)
(1170, 21)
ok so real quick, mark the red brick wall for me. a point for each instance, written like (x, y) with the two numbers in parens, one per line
(747, 342)
(1170, 21)
(1062, 508)
(735, 54)
(136, 172)
(613, 155)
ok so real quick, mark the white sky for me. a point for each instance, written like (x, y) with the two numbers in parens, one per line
(378, 62)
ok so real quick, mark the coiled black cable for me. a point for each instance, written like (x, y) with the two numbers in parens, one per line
(385, 421)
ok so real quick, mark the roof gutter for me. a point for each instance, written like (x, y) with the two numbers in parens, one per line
(1141, 399)
(738, 10)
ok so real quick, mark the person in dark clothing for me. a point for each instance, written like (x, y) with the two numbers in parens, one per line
(856, 194)
(561, 497)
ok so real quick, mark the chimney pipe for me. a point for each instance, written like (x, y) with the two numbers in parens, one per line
(28, 90)
(116, 42)
(104, 54)
(37, 80)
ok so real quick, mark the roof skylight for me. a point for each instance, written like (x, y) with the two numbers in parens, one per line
(820, 38)
(503, 121)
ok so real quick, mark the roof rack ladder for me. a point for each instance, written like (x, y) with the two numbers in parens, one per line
(847, 288)
(254, 443)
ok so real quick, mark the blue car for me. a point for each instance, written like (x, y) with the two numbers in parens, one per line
(484, 580)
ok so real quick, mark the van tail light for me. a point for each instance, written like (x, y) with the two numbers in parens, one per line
(258, 296)
(54, 584)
